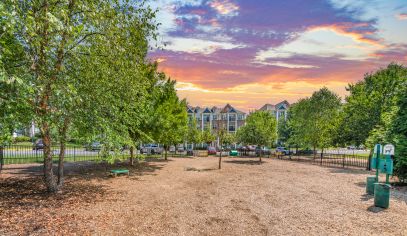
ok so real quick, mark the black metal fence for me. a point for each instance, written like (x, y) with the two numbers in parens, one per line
(25, 154)
(331, 160)
(16, 154)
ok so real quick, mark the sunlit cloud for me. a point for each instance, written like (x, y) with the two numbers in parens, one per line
(259, 93)
(402, 16)
(322, 42)
(160, 59)
(248, 53)
(288, 65)
(192, 45)
(225, 7)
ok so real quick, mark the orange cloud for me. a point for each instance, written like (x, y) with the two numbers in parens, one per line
(224, 7)
(346, 29)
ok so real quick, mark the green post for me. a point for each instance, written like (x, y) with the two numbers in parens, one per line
(377, 162)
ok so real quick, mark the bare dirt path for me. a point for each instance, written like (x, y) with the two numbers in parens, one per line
(191, 197)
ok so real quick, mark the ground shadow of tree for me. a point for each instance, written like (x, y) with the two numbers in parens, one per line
(26, 208)
(244, 162)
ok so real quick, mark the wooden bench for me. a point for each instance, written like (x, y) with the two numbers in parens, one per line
(116, 172)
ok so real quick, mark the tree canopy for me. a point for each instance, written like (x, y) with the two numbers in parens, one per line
(260, 129)
(313, 121)
(74, 65)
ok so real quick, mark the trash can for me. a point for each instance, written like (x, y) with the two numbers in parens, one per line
(370, 184)
(382, 195)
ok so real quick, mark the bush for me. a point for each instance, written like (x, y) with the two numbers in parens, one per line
(20, 139)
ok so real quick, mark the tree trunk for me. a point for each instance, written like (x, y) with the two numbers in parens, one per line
(131, 155)
(220, 159)
(260, 155)
(165, 152)
(62, 134)
(61, 165)
(315, 153)
(49, 177)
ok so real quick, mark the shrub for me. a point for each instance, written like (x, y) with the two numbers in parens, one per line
(22, 139)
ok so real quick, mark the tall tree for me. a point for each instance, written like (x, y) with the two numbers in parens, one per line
(260, 130)
(225, 138)
(399, 136)
(313, 120)
(371, 106)
(77, 58)
(170, 119)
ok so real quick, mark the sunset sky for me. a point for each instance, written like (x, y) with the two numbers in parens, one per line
(251, 52)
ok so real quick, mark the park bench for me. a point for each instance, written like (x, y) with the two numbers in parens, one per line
(116, 172)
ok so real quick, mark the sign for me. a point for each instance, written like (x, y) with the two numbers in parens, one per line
(388, 149)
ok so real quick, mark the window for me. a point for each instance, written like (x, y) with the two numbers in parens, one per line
(214, 117)
(232, 117)
(232, 128)
(224, 117)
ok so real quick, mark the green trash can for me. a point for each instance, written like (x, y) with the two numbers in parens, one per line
(370, 184)
(382, 195)
(233, 153)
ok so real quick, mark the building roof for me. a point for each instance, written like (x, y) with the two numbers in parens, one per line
(279, 106)
(214, 110)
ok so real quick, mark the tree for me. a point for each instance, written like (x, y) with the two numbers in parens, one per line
(225, 138)
(371, 106)
(325, 107)
(399, 137)
(193, 134)
(313, 120)
(80, 61)
(283, 131)
(260, 130)
(170, 121)
(207, 137)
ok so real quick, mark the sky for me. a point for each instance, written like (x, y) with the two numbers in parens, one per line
(251, 52)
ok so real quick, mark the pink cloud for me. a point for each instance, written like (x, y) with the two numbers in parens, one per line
(402, 16)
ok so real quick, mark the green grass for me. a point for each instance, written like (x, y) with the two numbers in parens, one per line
(40, 159)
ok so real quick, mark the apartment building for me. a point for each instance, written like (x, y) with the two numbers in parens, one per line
(280, 110)
(215, 118)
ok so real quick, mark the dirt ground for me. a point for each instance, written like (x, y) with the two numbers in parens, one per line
(189, 196)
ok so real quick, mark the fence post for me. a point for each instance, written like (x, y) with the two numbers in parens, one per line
(343, 160)
(368, 167)
(322, 154)
(1, 158)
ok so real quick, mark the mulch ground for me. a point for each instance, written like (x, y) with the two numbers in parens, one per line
(189, 196)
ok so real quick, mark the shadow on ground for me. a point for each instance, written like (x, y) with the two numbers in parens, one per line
(25, 200)
(348, 170)
(375, 209)
(366, 197)
(244, 162)
(85, 169)
(361, 184)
